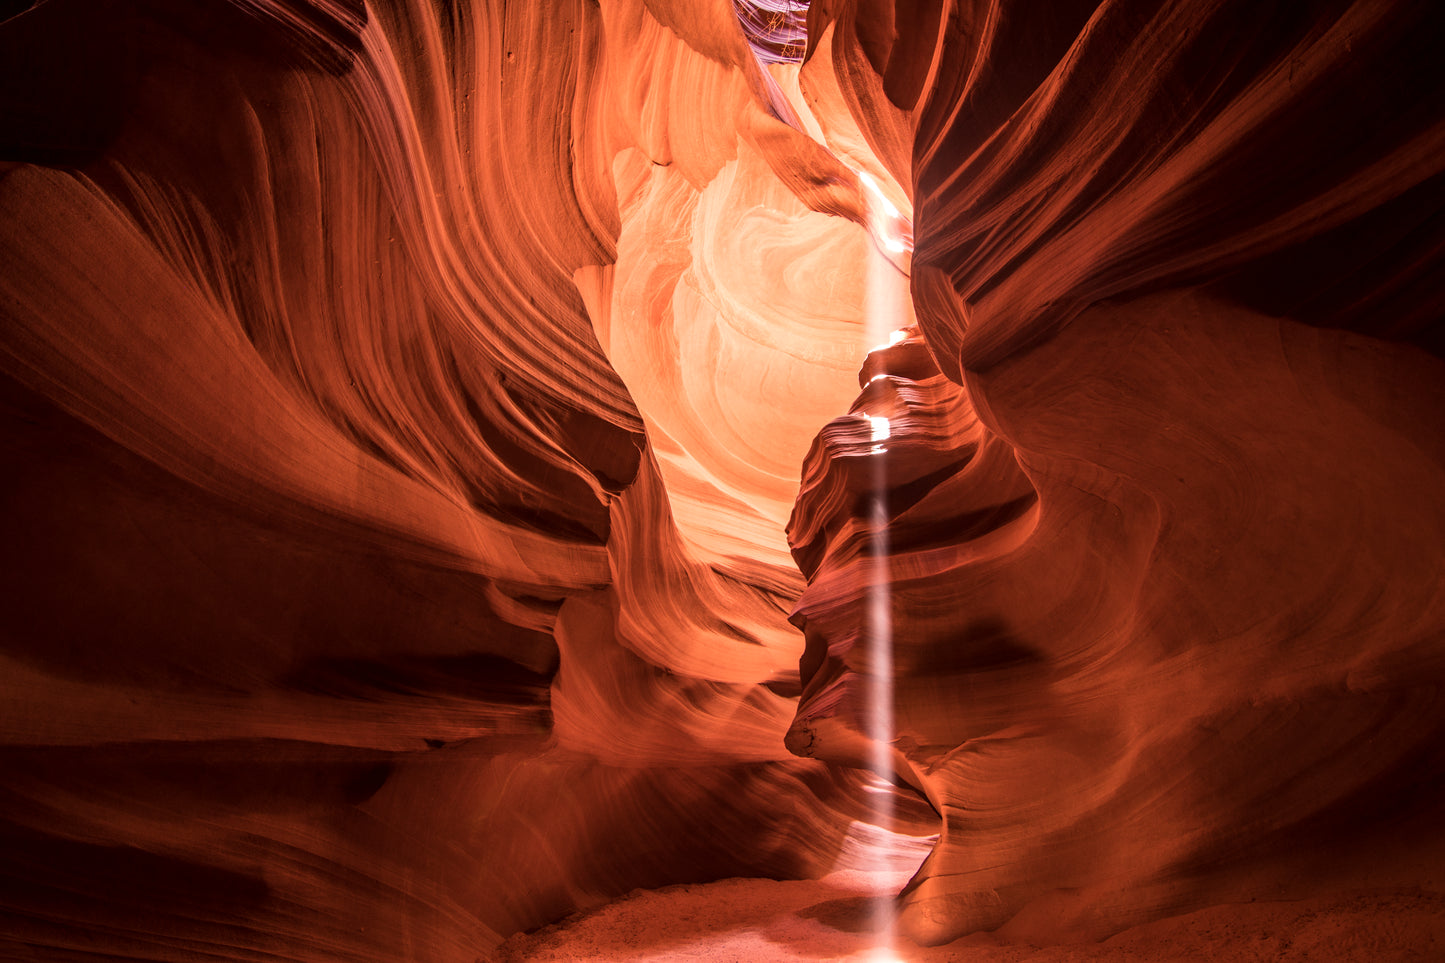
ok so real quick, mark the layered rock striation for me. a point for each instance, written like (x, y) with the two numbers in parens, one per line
(1166, 530)
(348, 612)
(424, 420)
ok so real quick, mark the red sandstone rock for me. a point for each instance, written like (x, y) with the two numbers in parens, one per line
(404, 405)
(1173, 647)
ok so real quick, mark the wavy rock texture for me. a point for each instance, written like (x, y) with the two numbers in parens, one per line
(1165, 517)
(405, 404)
(348, 615)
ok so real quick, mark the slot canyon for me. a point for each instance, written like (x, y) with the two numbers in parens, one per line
(933, 479)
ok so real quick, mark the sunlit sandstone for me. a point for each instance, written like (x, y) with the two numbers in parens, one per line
(440, 442)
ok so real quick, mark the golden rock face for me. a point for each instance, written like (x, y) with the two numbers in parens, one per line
(438, 473)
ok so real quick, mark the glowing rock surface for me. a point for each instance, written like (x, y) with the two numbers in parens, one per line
(434, 436)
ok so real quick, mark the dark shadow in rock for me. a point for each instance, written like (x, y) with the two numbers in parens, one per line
(852, 914)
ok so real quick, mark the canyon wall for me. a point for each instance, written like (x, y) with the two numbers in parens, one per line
(1165, 507)
(347, 615)
(437, 493)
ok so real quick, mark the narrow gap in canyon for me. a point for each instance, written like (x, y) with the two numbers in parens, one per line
(631, 481)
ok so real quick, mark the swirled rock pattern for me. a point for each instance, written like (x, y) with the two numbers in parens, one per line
(429, 426)
(347, 614)
(1166, 529)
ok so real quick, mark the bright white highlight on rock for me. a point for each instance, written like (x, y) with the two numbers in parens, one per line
(880, 427)
(884, 218)
(893, 338)
(877, 198)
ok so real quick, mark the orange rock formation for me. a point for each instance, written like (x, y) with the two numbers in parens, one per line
(437, 498)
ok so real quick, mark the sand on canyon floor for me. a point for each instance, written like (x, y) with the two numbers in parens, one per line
(757, 920)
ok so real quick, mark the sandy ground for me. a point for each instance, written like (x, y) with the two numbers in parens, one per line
(753, 920)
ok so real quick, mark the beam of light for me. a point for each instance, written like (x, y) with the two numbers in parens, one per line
(886, 315)
(884, 219)
(878, 201)
(878, 629)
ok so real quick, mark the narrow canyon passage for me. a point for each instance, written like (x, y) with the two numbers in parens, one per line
(696, 479)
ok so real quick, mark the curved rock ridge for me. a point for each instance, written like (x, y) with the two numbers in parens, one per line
(356, 608)
(1286, 159)
(733, 308)
(404, 411)
(1165, 545)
